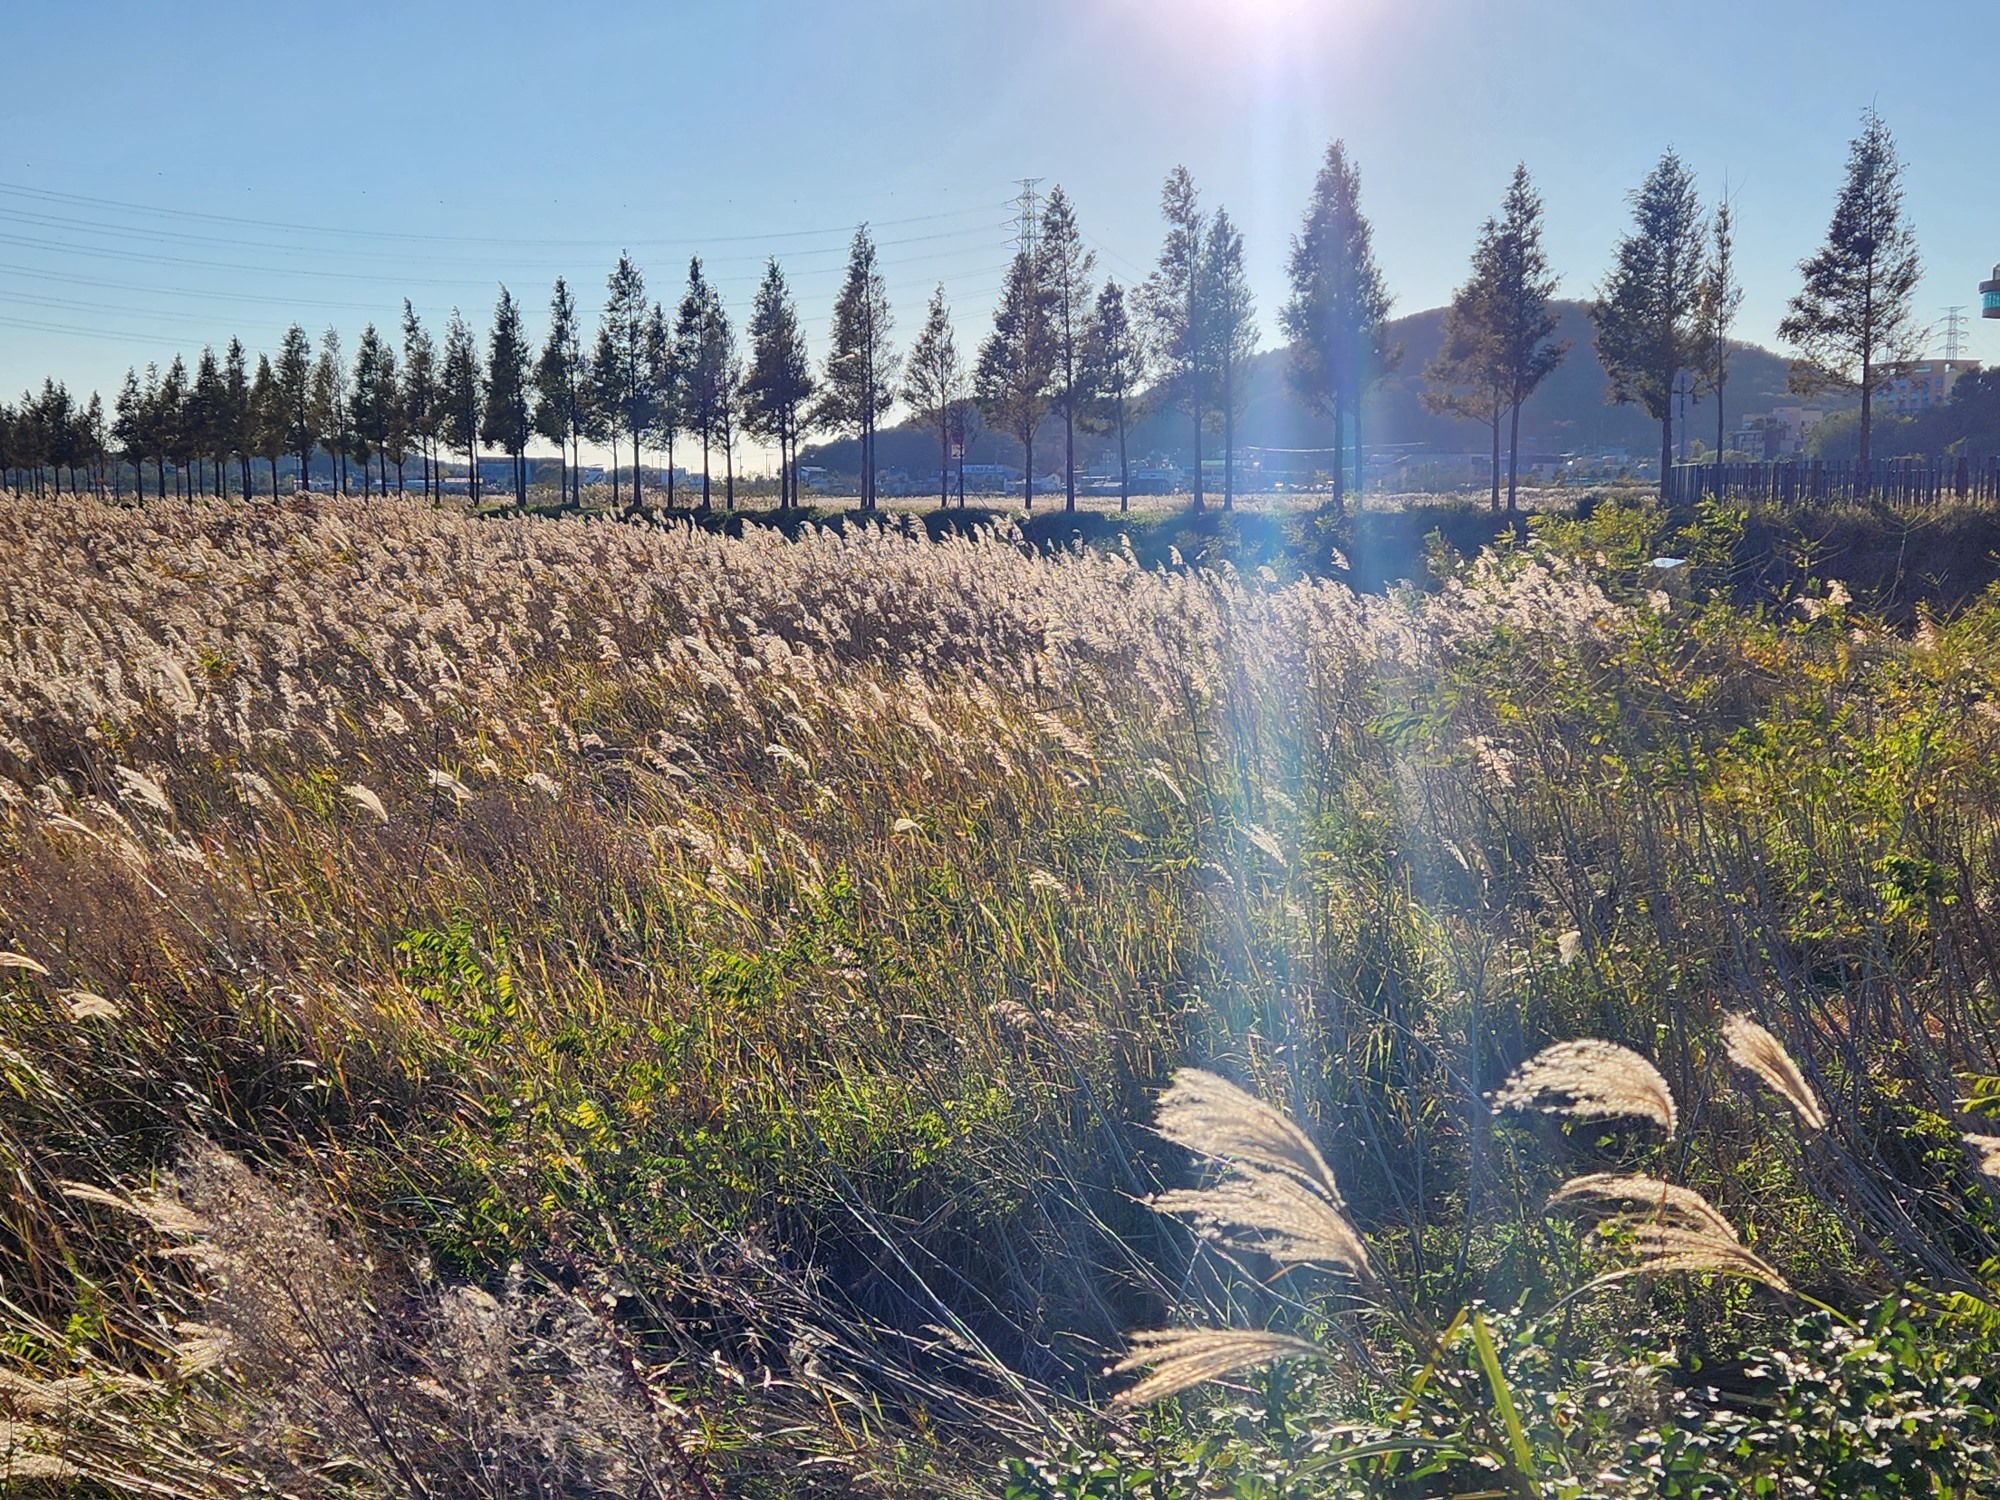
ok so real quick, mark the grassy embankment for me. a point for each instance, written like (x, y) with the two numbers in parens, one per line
(691, 1003)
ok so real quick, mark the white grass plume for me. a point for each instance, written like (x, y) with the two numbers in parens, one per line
(23, 962)
(1673, 1230)
(1278, 1190)
(1987, 1149)
(1670, 1249)
(143, 789)
(1640, 1196)
(1183, 1358)
(1755, 1050)
(1272, 1214)
(1211, 1115)
(363, 798)
(1590, 1079)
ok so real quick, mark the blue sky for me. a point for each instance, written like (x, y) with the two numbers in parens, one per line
(349, 156)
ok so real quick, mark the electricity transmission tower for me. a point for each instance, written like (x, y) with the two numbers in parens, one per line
(1954, 332)
(1028, 209)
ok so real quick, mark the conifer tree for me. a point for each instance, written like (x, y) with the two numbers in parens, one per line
(1114, 368)
(1178, 313)
(1721, 297)
(371, 406)
(173, 425)
(206, 423)
(459, 398)
(154, 427)
(728, 395)
(236, 409)
(1066, 266)
(128, 428)
(860, 384)
(1232, 334)
(667, 388)
(779, 385)
(624, 371)
(606, 390)
(332, 414)
(294, 373)
(1648, 310)
(421, 409)
(1852, 320)
(91, 445)
(270, 427)
(559, 385)
(1524, 318)
(1015, 367)
(504, 415)
(1464, 378)
(1338, 311)
(935, 382)
(700, 340)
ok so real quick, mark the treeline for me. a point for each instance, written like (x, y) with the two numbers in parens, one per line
(1061, 345)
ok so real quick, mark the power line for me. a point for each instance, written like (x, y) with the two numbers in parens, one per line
(81, 243)
(51, 195)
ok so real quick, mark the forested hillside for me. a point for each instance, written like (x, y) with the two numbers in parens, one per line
(1569, 414)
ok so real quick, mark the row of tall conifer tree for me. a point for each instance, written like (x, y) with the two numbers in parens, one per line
(1060, 346)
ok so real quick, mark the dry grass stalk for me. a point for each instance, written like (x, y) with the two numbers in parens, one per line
(1755, 1050)
(1278, 1189)
(1182, 1358)
(1590, 1079)
(165, 1215)
(23, 962)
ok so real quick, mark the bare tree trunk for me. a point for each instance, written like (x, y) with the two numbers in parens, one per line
(1340, 460)
(1513, 457)
(1867, 415)
(1667, 448)
(1124, 469)
(638, 485)
(1228, 443)
(1493, 472)
(1028, 464)
(1069, 455)
(1197, 461)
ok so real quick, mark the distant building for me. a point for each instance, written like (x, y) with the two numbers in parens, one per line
(1777, 434)
(1920, 386)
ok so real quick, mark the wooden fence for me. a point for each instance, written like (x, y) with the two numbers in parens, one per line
(1892, 481)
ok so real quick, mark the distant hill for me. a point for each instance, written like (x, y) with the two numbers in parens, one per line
(1568, 414)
